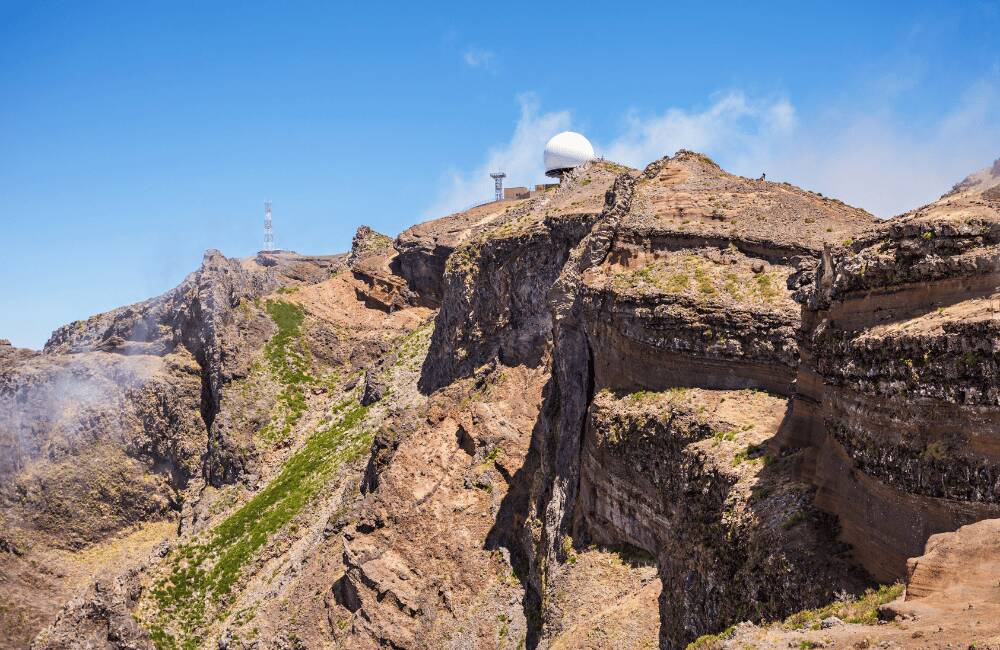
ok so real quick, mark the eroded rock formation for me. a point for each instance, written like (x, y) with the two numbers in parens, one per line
(496, 284)
(682, 282)
(898, 378)
(637, 408)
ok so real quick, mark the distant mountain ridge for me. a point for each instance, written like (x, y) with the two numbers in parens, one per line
(645, 408)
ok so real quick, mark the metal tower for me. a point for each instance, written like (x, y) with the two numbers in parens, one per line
(498, 183)
(268, 230)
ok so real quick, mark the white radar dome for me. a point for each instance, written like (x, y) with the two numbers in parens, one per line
(566, 150)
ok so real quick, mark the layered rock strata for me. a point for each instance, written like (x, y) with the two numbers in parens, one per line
(619, 430)
(371, 260)
(683, 281)
(950, 600)
(685, 476)
(496, 284)
(898, 380)
(423, 249)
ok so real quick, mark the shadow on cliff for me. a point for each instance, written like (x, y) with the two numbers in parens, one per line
(734, 529)
(510, 530)
(783, 531)
(782, 497)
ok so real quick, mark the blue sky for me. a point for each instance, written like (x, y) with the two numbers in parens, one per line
(135, 135)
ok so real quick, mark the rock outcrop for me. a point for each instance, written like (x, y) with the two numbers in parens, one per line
(124, 415)
(424, 248)
(898, 380)
(641, 408)
(428, 559)
(682, 282)
(496, 284)
(371, 260)
(950, 600)
(685, 476)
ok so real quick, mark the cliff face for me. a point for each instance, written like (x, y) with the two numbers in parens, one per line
(635, 409)
(496, 284)
(685, 476)
(423, 249)
(899, 344)
(673, 289)
(426, 558)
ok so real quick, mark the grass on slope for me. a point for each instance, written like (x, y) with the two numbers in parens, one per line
(861, 610)
(288, 359)
(696, 276)
(203, 572)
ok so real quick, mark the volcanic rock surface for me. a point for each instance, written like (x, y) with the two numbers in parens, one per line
(899, 373)
(640, 409)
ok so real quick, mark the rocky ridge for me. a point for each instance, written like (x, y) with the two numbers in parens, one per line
(899, 343)
(719, 399)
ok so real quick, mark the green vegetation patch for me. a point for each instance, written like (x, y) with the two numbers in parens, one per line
(708, 641)
(752, 453)
(698, 276)
(202, 572)
(412, 347)
(862, 609)
(376, 241)
(566, 545)
(660, 405)
(613, 167)
(287, 357)
(464, 260)
(632, 556)
(508, 229)
(671, 395)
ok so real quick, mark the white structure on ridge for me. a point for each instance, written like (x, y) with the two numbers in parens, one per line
(565, 151)
(268, 228)
(498, 184)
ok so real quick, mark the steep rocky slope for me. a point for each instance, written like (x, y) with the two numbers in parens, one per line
(137, 416)
(671, 289)
(899, 345)
(496, 283)
(636, 409)
(105, 430)
(950, 601)
(424, 248)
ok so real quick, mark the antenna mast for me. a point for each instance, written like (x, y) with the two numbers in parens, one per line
(268, 229)
(498, 183)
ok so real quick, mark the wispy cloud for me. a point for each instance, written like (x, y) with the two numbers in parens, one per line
(870, 157)
(476, 57)
(878, 161)
(520, 158)
(732, 123)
